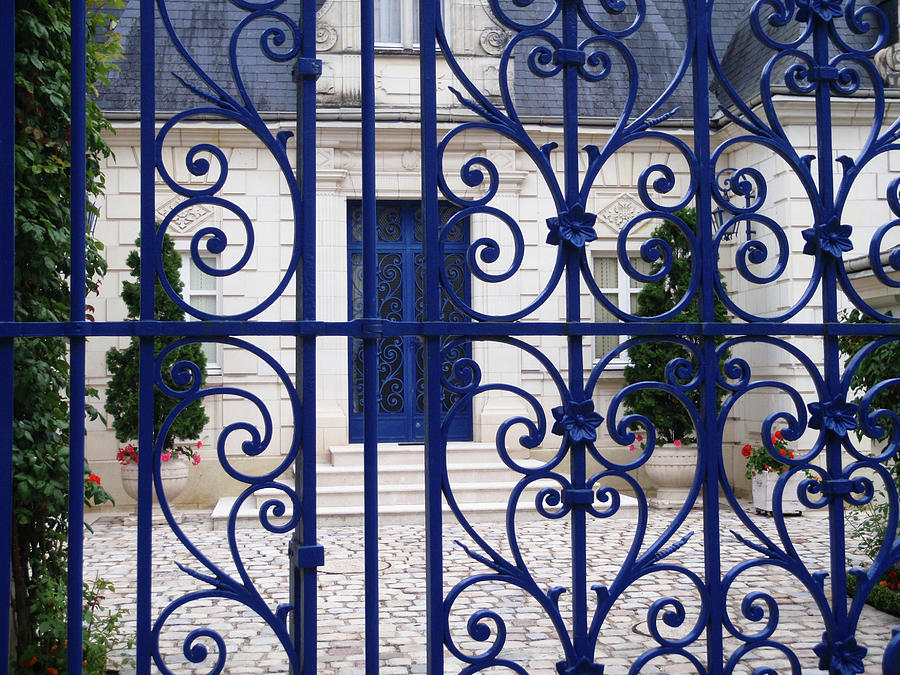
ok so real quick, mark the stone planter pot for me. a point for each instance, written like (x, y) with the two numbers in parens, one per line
(175, 475)
(764, 487)
(671, 470)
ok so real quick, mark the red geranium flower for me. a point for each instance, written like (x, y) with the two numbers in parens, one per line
(746, 450)
(778, 435)
(94, 478)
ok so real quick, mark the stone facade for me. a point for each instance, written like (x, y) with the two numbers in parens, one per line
(255, 185)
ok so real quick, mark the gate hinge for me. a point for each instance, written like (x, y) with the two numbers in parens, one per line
(307, 67)
(305, 557)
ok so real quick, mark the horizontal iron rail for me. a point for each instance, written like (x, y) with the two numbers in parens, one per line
(362, 328)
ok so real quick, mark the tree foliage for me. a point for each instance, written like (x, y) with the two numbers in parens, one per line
(123, 364)
(42, 226)
(649, 359)
(880, 364)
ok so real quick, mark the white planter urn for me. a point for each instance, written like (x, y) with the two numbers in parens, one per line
(764, 487)
(174, 473)
(671, 470)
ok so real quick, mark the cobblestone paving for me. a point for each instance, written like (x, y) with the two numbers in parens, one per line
(530, 639)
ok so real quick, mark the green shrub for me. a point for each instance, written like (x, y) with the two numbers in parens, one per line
(880, 598)
(649, 359)
(869, 523)
(123, 364)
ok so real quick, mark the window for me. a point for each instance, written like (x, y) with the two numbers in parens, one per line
(621, 290)
(201, 290)
(397, 23)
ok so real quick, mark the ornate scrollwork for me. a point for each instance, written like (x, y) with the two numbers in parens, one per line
(279, 40)
(282, 502)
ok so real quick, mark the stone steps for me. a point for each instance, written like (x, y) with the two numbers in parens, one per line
(480, 481)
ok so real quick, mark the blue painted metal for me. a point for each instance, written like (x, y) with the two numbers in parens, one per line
(564, 50)
(282, 40)
(304, 572)
(435, 444)
(148, 289)
(574, 45)
(77, 293)
(397, 295)
(371, 313)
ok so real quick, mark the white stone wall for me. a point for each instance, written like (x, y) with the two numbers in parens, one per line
(255, 185)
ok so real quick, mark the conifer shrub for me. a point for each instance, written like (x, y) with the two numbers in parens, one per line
(124, 364)
(649, 359)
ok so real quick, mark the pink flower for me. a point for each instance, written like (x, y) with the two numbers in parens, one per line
(639, 437)
(166, 456)
(631, 448)
(129, 448)
(196, 460)
(199, 444)
(677, 444)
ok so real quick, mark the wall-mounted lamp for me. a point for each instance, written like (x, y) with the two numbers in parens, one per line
(726, 190)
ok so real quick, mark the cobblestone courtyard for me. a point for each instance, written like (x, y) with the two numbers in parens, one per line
(530, 639)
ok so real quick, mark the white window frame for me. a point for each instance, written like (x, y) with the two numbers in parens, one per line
(625, 291)
(214, 354)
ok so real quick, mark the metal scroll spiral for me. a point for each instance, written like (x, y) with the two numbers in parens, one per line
(601, 49)
(811, 55)
(280, 42)
(855, 485)
(605, 55)
(186, 378)
(556, 499)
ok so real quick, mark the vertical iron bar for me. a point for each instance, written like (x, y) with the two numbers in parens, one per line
(831, 364)
(146, 380)
(77, 213)
(370, 340)
(434, 456)
(577, 466)
(709, 446)
(304, 579)
(7, 305)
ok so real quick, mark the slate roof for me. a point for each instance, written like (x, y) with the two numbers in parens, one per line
(746, 56)
(657, 47)
(205, 28)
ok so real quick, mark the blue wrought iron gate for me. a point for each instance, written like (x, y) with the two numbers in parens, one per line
(566, 53)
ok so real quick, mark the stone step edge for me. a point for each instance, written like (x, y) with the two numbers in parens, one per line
(406, 468)
(222, 509)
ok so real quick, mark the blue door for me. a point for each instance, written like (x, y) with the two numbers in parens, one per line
(401, 284)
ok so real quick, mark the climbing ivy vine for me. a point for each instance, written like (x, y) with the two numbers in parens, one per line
(42, 226)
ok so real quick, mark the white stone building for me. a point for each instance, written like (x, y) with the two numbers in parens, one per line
(477, 39)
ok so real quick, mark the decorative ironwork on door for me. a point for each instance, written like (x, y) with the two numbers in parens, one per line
(401, 287)
(568, 54)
